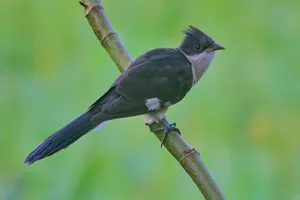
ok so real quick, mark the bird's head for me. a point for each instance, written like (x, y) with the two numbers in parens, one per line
(197, 42)
(199, 49)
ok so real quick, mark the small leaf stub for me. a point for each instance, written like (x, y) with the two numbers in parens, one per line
(83, 4)
(88, 8)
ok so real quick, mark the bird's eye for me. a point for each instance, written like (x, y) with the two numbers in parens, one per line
(197, 47)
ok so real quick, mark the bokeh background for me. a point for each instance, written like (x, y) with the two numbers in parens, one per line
(243, 116)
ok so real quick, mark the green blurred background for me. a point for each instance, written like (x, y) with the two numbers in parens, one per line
(243, 117)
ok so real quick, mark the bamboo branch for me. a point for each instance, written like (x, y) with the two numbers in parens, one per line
(187, 156)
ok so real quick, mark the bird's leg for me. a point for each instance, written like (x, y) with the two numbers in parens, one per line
(166, 127)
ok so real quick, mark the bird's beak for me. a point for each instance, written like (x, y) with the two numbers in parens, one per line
(217, 47)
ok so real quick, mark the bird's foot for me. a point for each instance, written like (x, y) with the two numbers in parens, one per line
(166, 128)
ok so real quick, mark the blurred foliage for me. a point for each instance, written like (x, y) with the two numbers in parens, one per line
(243, 116)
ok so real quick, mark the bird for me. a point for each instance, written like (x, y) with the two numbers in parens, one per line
(151, 84)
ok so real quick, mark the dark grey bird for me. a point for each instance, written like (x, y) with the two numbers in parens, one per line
(151, 84)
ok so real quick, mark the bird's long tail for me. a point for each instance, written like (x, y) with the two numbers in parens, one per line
(62, 138)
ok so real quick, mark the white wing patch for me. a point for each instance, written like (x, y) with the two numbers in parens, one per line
(153, 104)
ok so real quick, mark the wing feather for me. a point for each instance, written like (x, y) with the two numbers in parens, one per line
(164, 74)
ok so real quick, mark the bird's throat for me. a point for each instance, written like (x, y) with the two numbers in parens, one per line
(200, 63)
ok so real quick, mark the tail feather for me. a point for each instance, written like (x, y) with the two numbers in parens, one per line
(62, 138)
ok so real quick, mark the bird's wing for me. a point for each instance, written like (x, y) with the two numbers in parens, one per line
(156, 79)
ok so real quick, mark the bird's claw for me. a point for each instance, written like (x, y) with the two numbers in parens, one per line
(166, 128)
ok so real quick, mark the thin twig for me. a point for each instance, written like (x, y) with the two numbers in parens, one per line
(187, 156)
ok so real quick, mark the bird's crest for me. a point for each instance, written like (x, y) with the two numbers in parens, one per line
(193, 31)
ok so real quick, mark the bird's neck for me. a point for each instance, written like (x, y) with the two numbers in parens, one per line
(199, 63)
